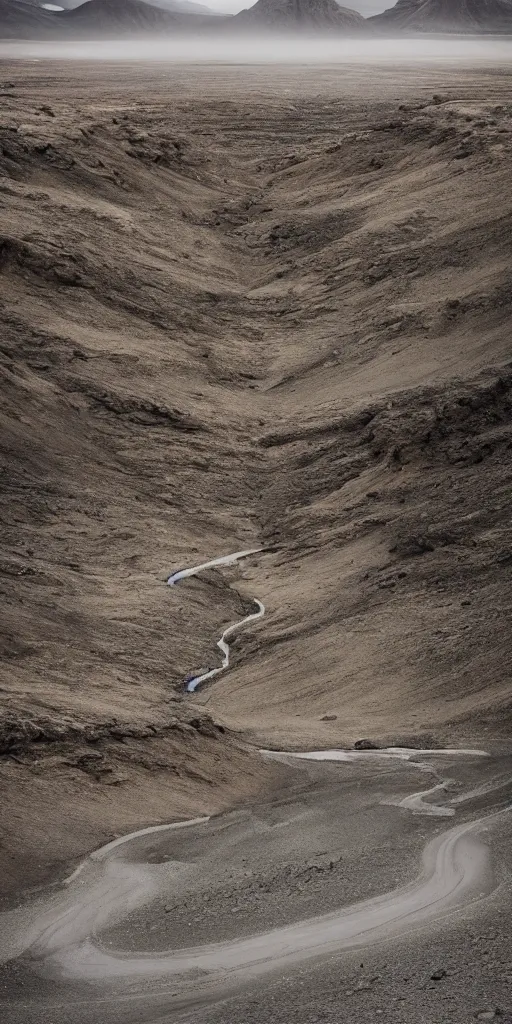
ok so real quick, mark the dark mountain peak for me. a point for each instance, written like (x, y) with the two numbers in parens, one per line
(132, 15)
(462, 16)
(301, 15)
(20, 20)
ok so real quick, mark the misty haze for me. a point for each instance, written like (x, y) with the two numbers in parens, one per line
(266, 49)
(255, 569)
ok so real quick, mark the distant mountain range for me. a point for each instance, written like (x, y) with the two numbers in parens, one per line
(95, 19)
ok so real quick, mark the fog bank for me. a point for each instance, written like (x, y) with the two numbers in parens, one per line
(272, 50)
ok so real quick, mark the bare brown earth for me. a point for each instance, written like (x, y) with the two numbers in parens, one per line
(246, 308)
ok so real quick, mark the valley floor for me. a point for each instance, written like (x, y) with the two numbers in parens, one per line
(254, 307)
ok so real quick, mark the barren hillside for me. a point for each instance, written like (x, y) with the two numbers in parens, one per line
(20, 20)
(461, 16)
(280, 321)
(98, 19)
(117, 17)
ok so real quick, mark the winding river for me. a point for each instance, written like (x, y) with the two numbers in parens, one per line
(193, 682)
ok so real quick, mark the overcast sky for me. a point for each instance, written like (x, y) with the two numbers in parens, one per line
(227, 6)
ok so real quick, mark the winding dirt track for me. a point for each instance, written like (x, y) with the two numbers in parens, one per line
(456, 867)
(64, 934)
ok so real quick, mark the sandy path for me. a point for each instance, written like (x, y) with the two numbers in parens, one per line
(107, 887)
(456, 867)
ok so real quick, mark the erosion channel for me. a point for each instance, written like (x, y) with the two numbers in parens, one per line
(261, 309)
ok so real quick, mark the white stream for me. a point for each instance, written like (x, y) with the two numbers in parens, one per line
(192, 683)
(183, 574)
